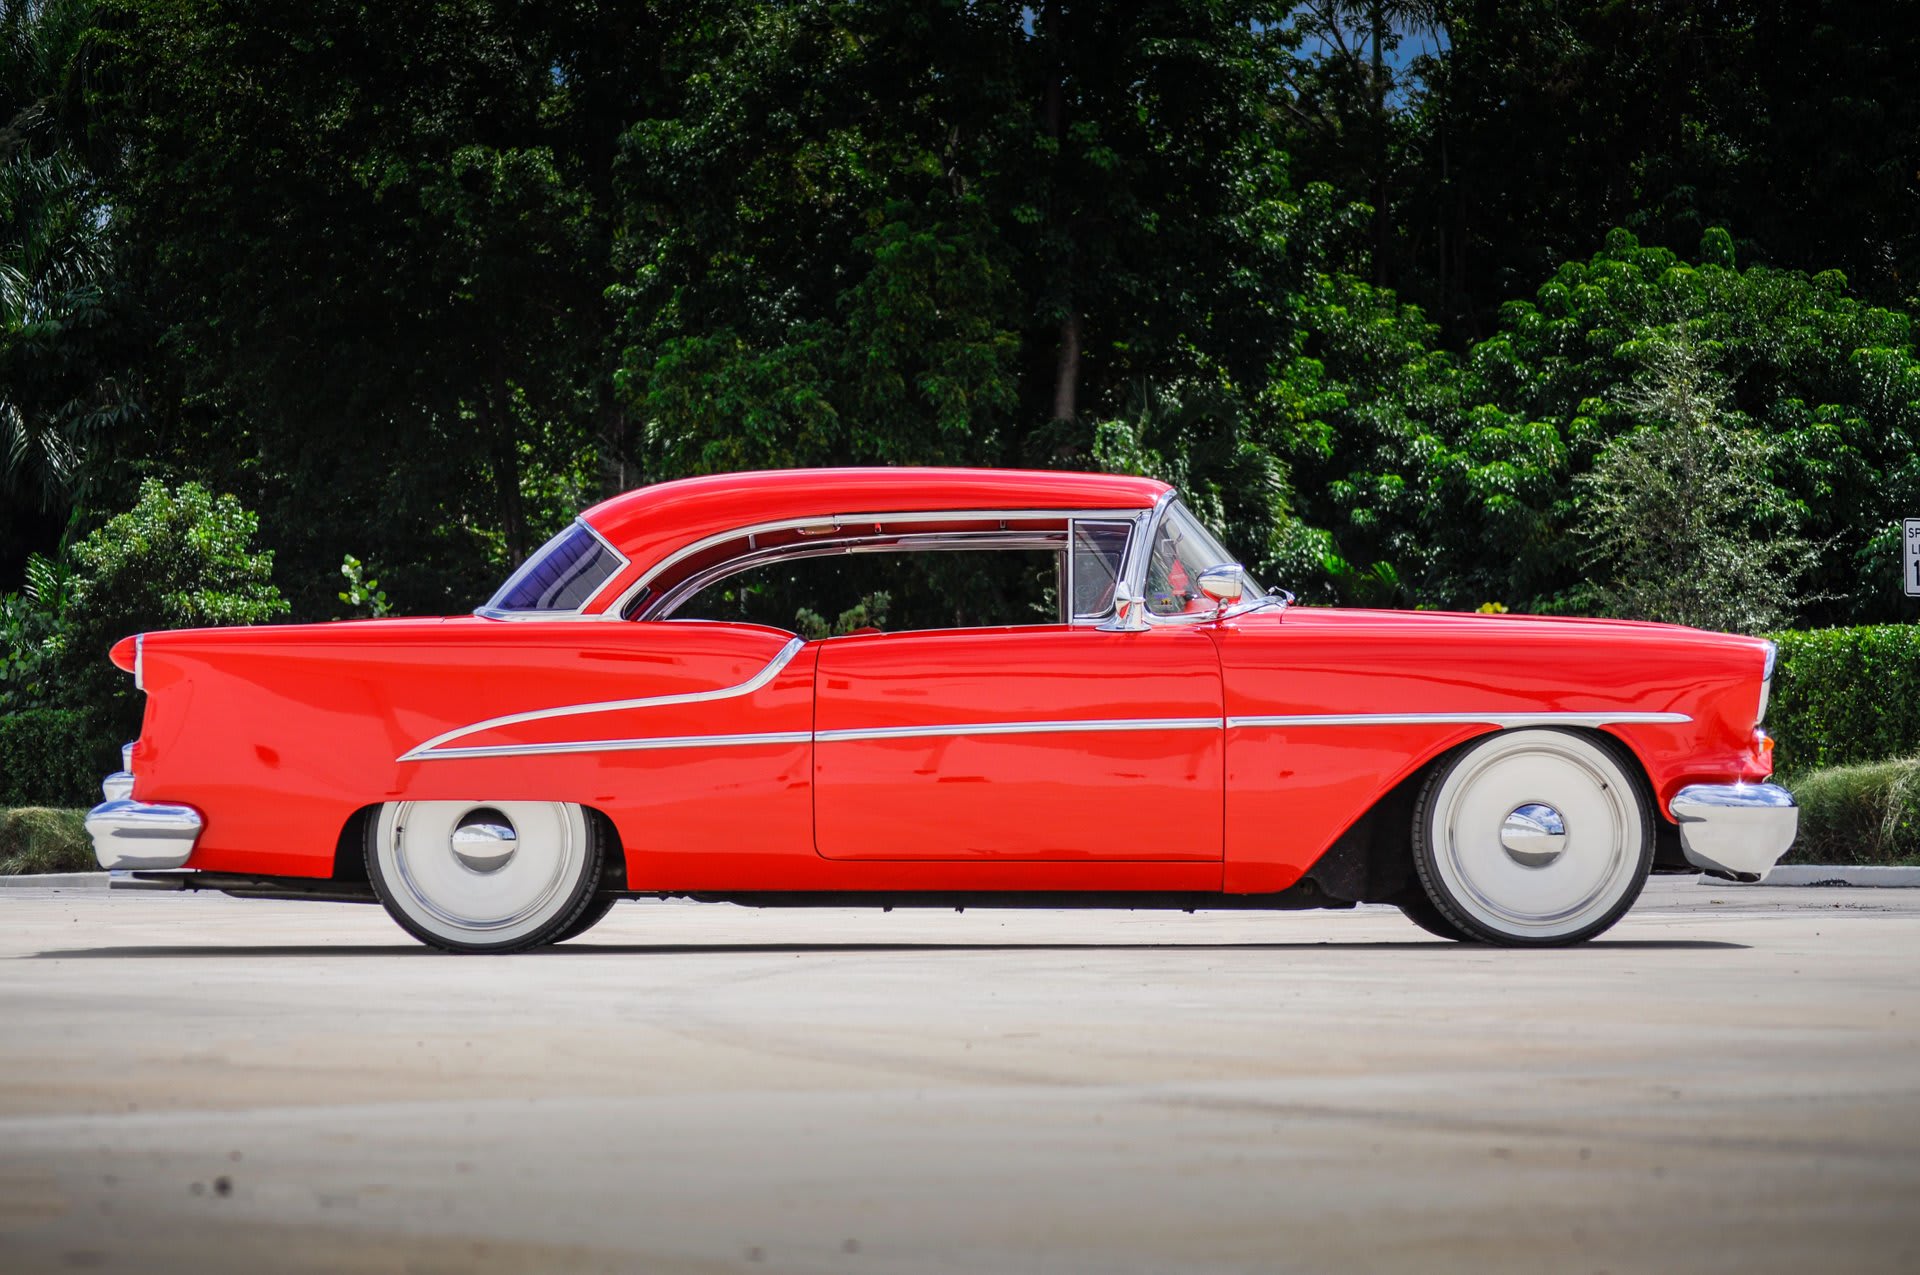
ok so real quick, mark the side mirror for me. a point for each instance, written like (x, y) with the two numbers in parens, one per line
(1224, 583)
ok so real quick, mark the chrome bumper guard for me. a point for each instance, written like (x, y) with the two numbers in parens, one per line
(1737, 830)
(131, 835)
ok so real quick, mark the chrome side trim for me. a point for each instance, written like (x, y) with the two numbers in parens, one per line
(434, 747)
(1505, 721)
(1018, 728)
(1735, 829)
(620, 745)
(436, 750)
(139, 664)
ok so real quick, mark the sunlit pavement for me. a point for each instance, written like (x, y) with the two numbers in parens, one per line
(1729, 1082)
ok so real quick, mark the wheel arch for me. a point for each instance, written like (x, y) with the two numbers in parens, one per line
(350, 846)
(1372, 861)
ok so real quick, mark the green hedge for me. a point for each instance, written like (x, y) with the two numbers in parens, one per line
(40, 840)
(1842, 696)
(1859, 814)
(53, 757)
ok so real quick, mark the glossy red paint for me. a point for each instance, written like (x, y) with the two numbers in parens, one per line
(731, 757)
(1291, 790)
(1044, 791)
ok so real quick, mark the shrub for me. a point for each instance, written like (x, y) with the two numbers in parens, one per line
(1846, 695)
(54, 756)
(178, 559)
(38, 839)
(1866, 814)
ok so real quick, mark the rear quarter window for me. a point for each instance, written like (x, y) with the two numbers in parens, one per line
(567, 571)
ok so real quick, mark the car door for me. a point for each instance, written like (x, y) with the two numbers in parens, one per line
(1043, 743)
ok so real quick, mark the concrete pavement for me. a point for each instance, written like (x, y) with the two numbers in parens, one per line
(1730, 1081)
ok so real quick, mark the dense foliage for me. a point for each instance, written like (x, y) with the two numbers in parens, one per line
(1846, 695)
(1558, 306)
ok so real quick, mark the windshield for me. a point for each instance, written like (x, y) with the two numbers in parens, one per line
(1182, 549)
(567, 571)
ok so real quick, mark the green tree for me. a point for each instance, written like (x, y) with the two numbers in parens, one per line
(375, 242)
(180, 558)
(1673, 517)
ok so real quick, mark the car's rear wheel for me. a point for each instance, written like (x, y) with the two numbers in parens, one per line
(1533, 838)
(473, 876)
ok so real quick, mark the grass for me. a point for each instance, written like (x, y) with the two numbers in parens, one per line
(1862, 814)
(43, 839)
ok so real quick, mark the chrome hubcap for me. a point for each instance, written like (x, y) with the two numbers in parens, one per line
(484, 840)
(1533, 835)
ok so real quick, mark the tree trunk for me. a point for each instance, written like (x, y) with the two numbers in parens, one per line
(1381, 229)
(1066, 373)
(506, 471)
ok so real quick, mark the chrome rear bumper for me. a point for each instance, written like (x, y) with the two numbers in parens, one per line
(129, 835)
(1738, 830)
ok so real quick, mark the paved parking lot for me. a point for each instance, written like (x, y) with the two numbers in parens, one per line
(1729, 1082)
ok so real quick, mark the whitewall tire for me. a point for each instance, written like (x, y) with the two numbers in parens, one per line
(484, 876)
(1533, 837)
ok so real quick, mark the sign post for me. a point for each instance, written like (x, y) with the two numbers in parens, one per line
(1910, 556)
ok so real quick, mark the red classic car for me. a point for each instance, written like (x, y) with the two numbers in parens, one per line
(1079, 699)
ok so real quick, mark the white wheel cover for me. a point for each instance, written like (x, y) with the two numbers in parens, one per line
(445, 896)
(1604, 836)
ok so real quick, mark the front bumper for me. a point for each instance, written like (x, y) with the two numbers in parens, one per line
(1737, 830)
(133, 835)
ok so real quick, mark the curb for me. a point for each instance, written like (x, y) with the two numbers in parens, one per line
(1818, 874)
(55, 881)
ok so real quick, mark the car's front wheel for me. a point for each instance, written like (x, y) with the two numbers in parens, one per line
(1533, 838)
(474, 876)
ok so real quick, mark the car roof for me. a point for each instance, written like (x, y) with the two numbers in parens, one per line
(650, 522)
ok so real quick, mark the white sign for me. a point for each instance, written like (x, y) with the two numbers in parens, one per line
(1911, 557)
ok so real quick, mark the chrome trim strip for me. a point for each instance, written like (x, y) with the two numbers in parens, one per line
(621, 745)
(1503, 720)
(668, 603)
(1018, 728)
(139, 663)
(835, 522)
(432, 748)
(435, 750)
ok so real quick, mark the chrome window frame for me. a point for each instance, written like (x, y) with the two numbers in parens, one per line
(1068, 583)
(488, 611)
(828, 524)
(663, 607)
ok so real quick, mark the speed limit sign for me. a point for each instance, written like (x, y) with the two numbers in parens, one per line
(1910, 565)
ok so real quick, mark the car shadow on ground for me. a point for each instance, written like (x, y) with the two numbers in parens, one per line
(294, 951)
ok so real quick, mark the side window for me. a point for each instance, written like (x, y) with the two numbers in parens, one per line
(1182, 549)
(1099, 551)
(832, 593)
(563, 576)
